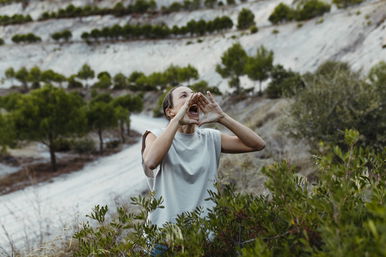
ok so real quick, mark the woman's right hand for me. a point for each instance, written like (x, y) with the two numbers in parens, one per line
(181, 116)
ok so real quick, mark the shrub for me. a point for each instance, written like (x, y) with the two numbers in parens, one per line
(281, 13)
(1, 41)
(246, 19)
(336, 99)
(311, 9)
(113, 144)
(346, 3)
(340, 213)
(83, 146)
(30, 38)
(254, 29)
(284, 83)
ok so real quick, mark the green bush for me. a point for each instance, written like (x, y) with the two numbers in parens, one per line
(29, 38)
(254, 29)
(341, 212)
(346, 3)
(335, 99)
(246, 19)
(63, 144)
(281, 13)
(311, 9)
(113, 144)
(65, 34)
(305, 11)
(1, 41)
(14, 19)
(83, 146)
(284, 83)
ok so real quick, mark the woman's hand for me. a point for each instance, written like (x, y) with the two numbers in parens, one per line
(181, 116)
(211, 110)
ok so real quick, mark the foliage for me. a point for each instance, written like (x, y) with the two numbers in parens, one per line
(346, 3)
(232, 65)
(259, 66)
(284, 83)
(203, 87)
(14, 19)
(83, 146)
(46, 114)
(341, 213)
(246, 19)
(336, 99)
(29, 38)
(311, 9)
(305, 10)
(281, 13)
(86, 73)
(7, 132)
(148, 31)
(65, 35)
(1, 41)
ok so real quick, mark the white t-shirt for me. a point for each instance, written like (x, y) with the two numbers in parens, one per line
(186, 173)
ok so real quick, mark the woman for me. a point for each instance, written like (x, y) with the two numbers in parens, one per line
(181, 160)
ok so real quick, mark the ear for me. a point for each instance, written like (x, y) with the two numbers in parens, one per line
(170, 113)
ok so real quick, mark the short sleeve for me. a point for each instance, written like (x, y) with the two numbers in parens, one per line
(216, 138)
(150, 174)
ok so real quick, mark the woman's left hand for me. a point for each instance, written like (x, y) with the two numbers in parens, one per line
(210, 108)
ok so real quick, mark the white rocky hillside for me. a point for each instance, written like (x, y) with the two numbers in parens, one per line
(354, 35)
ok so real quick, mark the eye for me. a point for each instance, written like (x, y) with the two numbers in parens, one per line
(183, 95)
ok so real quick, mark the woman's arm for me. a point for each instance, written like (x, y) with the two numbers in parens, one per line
(245, 139)
(157, 147)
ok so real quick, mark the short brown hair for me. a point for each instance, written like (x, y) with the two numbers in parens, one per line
(168, 101)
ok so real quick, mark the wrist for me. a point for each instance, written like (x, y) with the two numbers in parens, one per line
(223, 118)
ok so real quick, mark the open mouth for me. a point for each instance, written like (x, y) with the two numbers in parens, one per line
(193, 110)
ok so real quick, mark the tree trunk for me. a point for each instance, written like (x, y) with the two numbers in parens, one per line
(122, 127)
(52, 152)
(100, 140)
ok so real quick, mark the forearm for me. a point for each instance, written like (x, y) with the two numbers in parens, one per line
(246, 135)
(160, 146)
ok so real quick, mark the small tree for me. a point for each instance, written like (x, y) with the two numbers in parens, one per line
(232, 65)
(46, 114)
(246, 19)
(258, 67)
(86, 73)
(281, 13)
(101, 116)
(284, 83)
(120, 81)
(22, 76)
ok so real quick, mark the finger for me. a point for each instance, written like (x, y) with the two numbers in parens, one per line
(203, 98)
(202, 102)
(194, 98)
(211, 98)
(201, 106)
(191, 121)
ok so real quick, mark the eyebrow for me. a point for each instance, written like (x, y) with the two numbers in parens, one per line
(185, 92)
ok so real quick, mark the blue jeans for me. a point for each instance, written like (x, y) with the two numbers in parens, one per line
(158, 250)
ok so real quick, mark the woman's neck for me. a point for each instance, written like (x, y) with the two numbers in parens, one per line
(187, 129)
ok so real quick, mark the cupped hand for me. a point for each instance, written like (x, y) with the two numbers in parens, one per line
(182, 117)
(211, 110)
